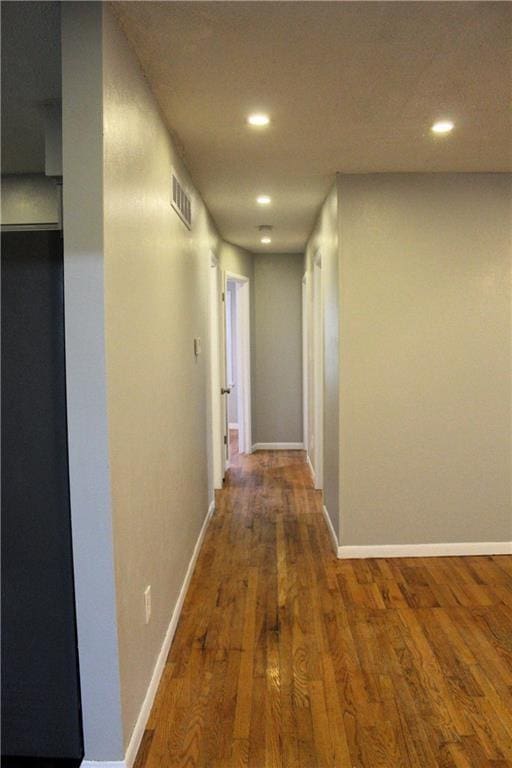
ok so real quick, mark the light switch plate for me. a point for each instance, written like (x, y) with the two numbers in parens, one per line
(147, 603)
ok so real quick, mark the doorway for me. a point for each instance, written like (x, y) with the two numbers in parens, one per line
(317, 438)
(305, 365)
(230, 370)
(216, 447)
(237, 405)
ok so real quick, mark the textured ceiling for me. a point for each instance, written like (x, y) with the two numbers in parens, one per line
(30, 75)
(350, 86)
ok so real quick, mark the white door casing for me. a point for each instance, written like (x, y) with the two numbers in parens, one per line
(243, 359)
(318, 370)
(214, 329)
(305, 345)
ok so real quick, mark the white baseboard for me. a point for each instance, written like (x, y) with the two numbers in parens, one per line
(332, 533)
(426, 550)
(233, 425)
(311, 468)
(103, 764)
(278, 447)
(140, 725)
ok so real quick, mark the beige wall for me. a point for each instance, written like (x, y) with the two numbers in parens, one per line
(277, 349)
(29, 199)
(324, 241)
(156, 303)
(425, 358)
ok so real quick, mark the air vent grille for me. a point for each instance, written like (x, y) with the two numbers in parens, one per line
(181, 202)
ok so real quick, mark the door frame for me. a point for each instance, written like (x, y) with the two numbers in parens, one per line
(318, 370)
(305, 362)
(216, 437)
(243, 357)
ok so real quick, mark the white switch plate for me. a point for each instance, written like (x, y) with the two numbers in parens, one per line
(147, 603)
(197, 346)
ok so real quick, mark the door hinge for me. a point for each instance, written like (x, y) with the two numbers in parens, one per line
(223, 296)
(225, 439)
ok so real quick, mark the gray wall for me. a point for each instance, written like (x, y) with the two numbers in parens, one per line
(277, 349)
(236, 260)
(156, 299)
(136, 296)
(425, 358)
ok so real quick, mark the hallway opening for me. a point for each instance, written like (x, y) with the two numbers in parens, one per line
(237, 364)
(229, 367)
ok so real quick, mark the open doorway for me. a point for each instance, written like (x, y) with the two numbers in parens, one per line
(230, 374)
(318, 371)
(305, 364)
(237, 368)
(216, 447)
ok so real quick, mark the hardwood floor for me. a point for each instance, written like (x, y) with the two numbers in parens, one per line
(285, 656)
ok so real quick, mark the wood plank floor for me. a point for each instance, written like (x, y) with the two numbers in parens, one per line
(285, 656)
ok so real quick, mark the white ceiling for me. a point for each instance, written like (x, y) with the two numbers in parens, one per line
(31, 74)
(350, 86)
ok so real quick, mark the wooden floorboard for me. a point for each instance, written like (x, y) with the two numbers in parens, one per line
(286, 657)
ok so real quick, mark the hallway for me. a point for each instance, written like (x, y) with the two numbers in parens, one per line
(285, 656)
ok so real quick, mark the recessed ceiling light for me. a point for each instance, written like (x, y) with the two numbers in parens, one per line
(442, 126)
(263, 200)
(258, 119)
(266, 240)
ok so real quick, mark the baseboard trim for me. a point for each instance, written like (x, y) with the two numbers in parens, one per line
(332, 532)
(145, 710)
(103, 764)
(461, 549)
(278, 447)
(311, 469)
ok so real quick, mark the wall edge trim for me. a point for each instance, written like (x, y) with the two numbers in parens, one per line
(332, 533)
(145, 710)
(457, 549)
(311, 468)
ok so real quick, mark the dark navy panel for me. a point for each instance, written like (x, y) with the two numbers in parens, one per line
(40, 682)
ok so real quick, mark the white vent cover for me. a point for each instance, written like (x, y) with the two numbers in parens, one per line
(181, 202)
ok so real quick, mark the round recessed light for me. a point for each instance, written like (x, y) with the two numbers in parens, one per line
(258, 119)
(266, 240)
(442, 126)
(263, 200)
